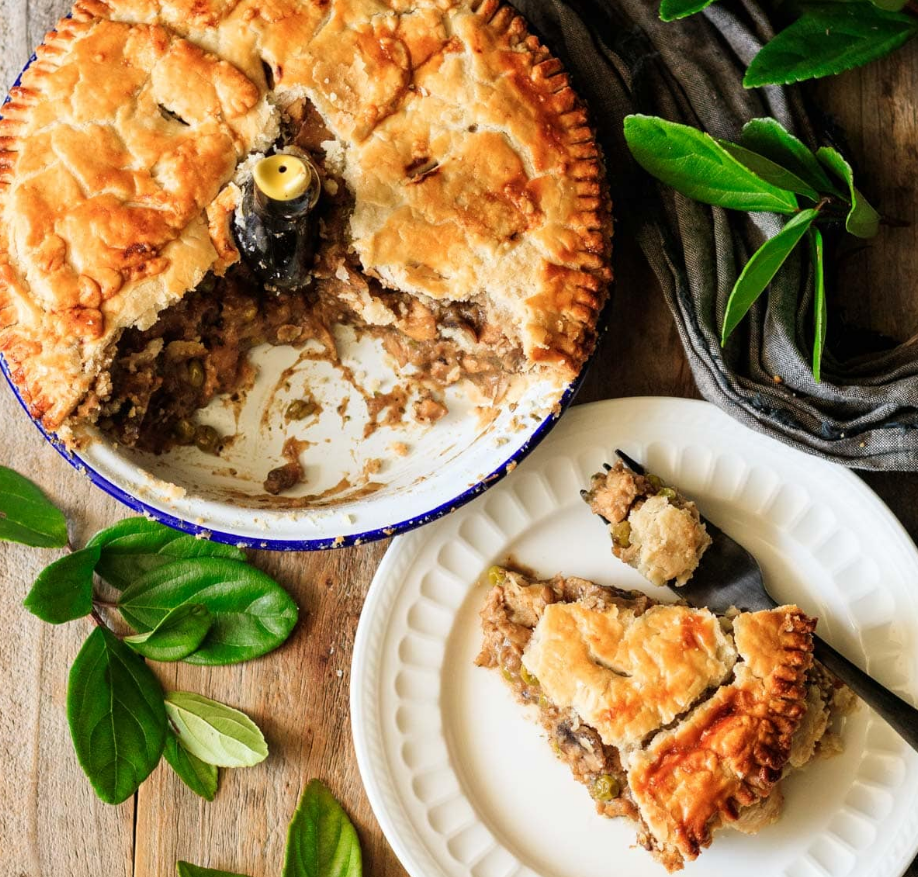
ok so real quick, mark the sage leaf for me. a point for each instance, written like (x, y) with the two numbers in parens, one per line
(694, 164)
(252, 614)
(321, 840)
(862, 220)
(136, 545)
(670, 10)
(179, 634)
(770, 138)
(820, 311)
(202, 778)
(214, 732)
(827, 39)
(27, 516)
(63, 589)
(761, 269)
(186, 869)
(772, 173)
(116, 715)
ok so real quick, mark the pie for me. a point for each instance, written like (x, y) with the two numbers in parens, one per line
(464, 218)
(654, 528)
(683, 721)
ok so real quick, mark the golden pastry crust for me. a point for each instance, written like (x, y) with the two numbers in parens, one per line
(474, 170)
(731, 750)
(625, 674)
(117, 139)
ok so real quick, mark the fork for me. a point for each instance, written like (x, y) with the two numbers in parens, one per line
(728, 575)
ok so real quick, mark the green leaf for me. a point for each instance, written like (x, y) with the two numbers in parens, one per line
(179, 634)
(828, 39)
(116, 715)
(202, 778)
(820, 312)
(694, 164)
(321, 840)
(768, 137)
(769, 171)
(136, 545)
(63, 589)
(27, 515)
(762, 267)
(862, 220)
(670, 10)
(252, 614)
(214, 732)
(890, 5)
(186, 869)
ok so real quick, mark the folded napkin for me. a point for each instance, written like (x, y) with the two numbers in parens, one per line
(623, 59)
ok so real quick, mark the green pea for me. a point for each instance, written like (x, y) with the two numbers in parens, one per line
(605, 788)
(196, 373)
(208, 284)
(496, 576)
(621, 534)
(655, 481)
(207, 439)
(667, 492)
(183, 431)
(527, 677)
(300, 409)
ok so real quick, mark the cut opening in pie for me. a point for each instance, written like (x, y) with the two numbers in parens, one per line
(198, 348)
(680, 720)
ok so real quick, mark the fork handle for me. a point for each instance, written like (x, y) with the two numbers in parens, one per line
(902, 716)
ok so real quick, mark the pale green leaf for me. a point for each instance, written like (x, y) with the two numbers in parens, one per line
(214, 732)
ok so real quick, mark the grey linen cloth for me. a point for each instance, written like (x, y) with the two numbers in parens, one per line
(623, 60)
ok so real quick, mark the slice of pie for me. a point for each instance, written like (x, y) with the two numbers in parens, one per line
(683, 721)
(463, 216)
(654, 528)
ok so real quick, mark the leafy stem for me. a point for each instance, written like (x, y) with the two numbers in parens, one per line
(768, 170)
(186, 599)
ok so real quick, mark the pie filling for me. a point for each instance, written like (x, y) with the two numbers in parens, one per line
(161, 377)
(695, 719)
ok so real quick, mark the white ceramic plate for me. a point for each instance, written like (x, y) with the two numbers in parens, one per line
(461, 780)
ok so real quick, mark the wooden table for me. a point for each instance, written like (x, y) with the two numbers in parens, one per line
(51, 825)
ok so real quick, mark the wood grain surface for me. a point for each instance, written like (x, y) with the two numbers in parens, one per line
(51, 825)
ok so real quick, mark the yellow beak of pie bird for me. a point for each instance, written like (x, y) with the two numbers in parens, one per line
(286, 177)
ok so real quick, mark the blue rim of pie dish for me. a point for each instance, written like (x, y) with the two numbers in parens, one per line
(386, 532)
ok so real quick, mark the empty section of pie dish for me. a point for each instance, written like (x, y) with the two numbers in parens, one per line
(456, 267)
